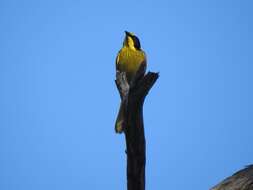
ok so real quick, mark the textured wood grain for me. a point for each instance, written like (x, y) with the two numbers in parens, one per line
(241, 180)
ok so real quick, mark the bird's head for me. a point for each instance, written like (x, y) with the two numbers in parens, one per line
(132, 41)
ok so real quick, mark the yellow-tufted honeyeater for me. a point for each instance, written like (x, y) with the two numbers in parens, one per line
(129, 60)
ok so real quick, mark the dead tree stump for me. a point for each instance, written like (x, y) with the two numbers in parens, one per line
(133, 96)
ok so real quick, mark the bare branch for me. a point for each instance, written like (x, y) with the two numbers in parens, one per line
(132, 97)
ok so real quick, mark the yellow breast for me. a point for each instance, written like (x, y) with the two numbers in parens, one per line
(129, 61)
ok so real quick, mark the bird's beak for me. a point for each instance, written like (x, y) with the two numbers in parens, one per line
(128, 33)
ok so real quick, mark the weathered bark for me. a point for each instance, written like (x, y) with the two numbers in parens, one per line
(241, 180)
(133, 96)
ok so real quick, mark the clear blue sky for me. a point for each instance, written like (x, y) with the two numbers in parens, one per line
(58, 100)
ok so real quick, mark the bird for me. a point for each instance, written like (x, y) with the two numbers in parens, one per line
(129, 59)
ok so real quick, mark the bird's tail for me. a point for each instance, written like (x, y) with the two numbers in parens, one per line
(119, 125)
